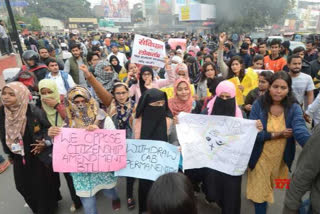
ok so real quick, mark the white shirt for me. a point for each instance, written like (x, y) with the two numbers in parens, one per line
(60, 83)
(300, 85)
(121, 57)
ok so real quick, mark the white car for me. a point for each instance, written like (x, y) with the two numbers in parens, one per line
(294, 44)
(270, 38)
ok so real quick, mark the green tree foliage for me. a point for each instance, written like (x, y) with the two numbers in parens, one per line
(59, 9)
(246, 15)
(34, 23)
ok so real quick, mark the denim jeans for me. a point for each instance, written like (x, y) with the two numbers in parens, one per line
(89, 203)
(1, 159)
(261, 208)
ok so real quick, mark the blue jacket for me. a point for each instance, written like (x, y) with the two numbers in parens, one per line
(65, 77)
(294, 119)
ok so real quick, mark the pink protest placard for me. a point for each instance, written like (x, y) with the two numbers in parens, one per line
(175, 42)
(78, 150)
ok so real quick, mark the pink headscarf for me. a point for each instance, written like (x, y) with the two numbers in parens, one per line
(228, 87)
(182, 67)
(175, 104)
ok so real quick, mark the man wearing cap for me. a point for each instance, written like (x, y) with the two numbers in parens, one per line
(193, 46)
(121, 56)
(244, 54)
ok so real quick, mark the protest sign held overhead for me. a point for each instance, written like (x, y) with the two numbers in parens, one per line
(217, 142)
(148, 51)
(77, 150)
(148, 159)
(175, 42)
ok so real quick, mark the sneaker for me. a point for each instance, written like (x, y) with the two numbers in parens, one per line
(73, 208)
(4, 166)
(131, 203)
(116, 204)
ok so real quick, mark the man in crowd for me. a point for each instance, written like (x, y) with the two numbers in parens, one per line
(306, 67)
(4, 39)
(44, 55)
(302, 84)
(72, 65)
(227, 54)
(193, 46)
(244, 54)
(263, 50)
(274, 61)
(306, 177)
(123, 48)
(63, 80)
(315, 73)
(72, 40)
(251, 50)
(285, 49)
(311, 53)
(115, 52)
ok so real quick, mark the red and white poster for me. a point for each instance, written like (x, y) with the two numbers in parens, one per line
(148, 51)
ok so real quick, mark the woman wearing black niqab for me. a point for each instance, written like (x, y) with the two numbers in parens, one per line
(153, 120)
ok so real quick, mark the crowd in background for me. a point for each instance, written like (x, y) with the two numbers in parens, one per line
(89, 82)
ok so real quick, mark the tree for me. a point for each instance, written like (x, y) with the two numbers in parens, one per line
(245, 15)
(34, 23)
(59, 9)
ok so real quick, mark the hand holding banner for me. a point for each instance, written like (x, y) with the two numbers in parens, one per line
(78, 150)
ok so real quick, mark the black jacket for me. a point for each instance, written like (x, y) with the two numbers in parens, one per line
(36, 129)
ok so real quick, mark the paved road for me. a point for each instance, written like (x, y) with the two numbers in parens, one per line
(12, 203)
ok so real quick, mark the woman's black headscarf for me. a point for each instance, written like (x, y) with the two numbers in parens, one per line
(141, 81)
(117, 68)
(193, 69)
(154, 123)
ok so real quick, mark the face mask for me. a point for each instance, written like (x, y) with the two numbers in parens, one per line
(81, 106)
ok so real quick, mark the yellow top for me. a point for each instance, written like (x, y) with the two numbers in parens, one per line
(270, 165)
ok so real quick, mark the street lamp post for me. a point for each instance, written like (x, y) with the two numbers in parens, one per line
(14, 28)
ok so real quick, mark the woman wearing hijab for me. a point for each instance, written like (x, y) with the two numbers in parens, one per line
(184, 102)
(122, 111)
(83, 113)
(219, 187)
(120, 70)
(153, 122)
(182, 71)
(56, 114)
(147, 81)
(23, 133)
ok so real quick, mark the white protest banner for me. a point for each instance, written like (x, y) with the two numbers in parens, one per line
(148, 51)
(217, 142)
(149, 159)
